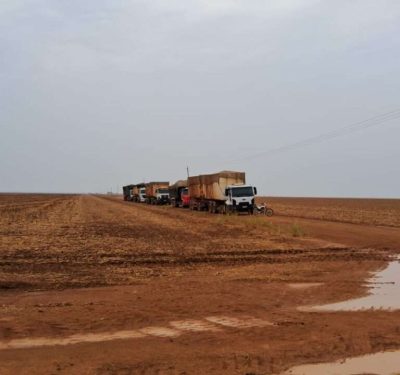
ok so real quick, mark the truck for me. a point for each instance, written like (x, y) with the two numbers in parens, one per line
(127, 192)
(179, 194)
(139, 193)
(222, 192)
(185, 198)
(142, 194)
(157, 193)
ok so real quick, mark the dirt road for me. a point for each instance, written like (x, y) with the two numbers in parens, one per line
(94, 285)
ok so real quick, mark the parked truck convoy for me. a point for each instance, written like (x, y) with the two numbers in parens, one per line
(222, 192)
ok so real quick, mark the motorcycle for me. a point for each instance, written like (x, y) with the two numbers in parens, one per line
(263, 210)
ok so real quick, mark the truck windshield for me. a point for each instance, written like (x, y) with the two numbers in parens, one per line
(246, 191)
(185, 192)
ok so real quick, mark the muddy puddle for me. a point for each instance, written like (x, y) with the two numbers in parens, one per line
(385, 363)
(26, 343)
(384, 293)
(175, 329)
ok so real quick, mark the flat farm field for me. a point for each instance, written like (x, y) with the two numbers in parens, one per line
(385, 212)
(95, 285)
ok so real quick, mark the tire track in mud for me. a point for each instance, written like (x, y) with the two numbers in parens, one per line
(222, 257)
(88, 271)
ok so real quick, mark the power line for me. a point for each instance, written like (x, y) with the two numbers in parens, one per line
(348, 129)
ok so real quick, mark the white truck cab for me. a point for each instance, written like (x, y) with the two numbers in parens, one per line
(240, 198)
(162, 196)
(142, 195)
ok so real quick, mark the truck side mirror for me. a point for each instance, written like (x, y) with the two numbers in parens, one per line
(226, 192)
(255, 191)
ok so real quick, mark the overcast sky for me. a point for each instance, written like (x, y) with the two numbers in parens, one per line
(100, 93)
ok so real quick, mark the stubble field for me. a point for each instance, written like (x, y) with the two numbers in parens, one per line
(385, 212)
(92, 284)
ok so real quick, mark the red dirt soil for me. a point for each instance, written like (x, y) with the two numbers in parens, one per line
(95, 285)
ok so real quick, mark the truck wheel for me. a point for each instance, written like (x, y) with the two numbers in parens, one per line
(227, 210)
(269, 212)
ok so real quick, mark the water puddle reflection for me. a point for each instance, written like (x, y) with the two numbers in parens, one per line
(384, 293)
(386, 363)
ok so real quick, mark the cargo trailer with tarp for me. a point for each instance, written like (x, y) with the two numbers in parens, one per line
(139, 192)
(127, 192)
(179, 194)
(157, 192)
(222, 192)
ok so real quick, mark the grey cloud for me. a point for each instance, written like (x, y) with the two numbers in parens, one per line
(101, 93)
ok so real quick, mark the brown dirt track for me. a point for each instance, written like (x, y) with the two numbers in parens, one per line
(82, 265)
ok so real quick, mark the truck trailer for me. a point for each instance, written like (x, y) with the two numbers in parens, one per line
(139, 193)
(179, 194)
(127, 192)
(157, 193)
(222, 192)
